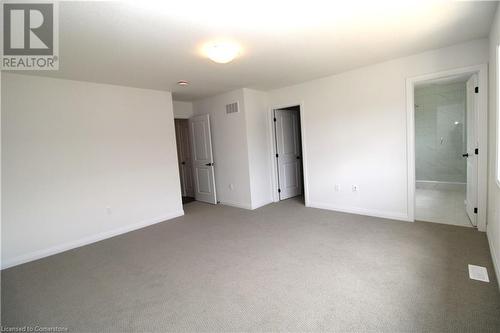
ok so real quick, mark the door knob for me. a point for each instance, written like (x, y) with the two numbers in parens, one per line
(183, 162)
(209, 164)
(465, 155)
(298, 157)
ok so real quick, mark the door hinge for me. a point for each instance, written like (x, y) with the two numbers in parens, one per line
(277, 155)
(475, 210)
(279, 190)
(274, 119)
(476, 90)
(476, 151)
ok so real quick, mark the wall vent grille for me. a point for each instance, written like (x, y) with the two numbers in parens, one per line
(232, 108)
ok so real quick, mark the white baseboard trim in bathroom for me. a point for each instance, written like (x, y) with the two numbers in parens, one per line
(439, 182)
(86, 240)
(437, 185)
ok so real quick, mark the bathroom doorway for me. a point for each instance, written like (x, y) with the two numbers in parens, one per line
(446, 172)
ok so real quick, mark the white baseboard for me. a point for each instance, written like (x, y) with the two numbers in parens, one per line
(360, 211)
(244, 205)
(236, 204)
(439, 182)
(429, 184)
(494, 258)
(261, 204)
(86, 240)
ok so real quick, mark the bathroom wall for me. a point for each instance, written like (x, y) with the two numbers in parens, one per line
(440, 132)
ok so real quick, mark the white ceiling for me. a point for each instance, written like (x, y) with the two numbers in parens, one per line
(153, 44)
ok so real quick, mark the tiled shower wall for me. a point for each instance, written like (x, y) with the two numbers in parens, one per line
(440, 136)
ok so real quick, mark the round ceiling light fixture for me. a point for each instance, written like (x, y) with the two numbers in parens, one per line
(182, 83)
(222, 52)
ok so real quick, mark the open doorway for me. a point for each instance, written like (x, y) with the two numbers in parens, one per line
(196, 161)
(449, 122)
(287, 142)
(446, 150)
(184, 160)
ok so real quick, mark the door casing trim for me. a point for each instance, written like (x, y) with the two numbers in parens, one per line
(482, 136)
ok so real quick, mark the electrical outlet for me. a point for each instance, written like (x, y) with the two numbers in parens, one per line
(231, 187)
(108, 210)
(337, 188)
(355, 188)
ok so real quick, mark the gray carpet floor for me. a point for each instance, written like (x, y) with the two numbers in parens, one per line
(282, 267)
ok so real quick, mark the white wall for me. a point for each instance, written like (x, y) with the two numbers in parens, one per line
(355, 130)
(229, 141)
(241, 147)
(182, 110)
(440, 133)
(259, 150)
(493, 227)
(72, 149)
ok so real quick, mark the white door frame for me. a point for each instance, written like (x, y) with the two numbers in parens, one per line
(482, 127)
(274, 166)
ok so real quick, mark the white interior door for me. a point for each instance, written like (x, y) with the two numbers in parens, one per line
(472, 175)
(203, 161)
(184, 157)
(289, 158)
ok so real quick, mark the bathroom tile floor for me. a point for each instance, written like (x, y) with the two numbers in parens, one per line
(441, 206)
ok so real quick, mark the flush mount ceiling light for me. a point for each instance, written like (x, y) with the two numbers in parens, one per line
(182, 83)
(222, 52)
